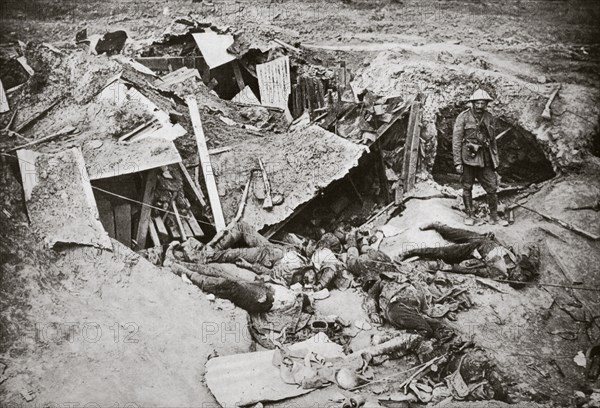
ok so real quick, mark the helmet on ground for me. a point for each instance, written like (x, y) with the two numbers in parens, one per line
(480, 95)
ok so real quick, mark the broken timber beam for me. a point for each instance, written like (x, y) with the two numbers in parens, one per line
(209, 176)
(268, 203)
(196, 192)
(154, 235)
(142, 228)
(411, 147)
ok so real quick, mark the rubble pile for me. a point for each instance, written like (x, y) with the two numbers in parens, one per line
(300, 193)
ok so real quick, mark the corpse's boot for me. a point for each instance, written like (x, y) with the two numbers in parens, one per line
(492, 199)
(468, 201)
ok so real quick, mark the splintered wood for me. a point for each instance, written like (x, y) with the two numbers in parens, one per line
(274, 82)
(411, 148)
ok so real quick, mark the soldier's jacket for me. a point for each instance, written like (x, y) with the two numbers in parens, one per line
(388, 290)
(466, 138)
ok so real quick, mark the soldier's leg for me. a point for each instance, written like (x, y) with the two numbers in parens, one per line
(467, 180)
(250, 255)
(489, 181)
(450, 254)
(457, 235)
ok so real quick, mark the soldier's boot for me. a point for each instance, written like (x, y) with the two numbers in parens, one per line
(492, 199)
(468, 202)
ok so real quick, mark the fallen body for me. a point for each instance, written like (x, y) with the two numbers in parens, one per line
(496, 261)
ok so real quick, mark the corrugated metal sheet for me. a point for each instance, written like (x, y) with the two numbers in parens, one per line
(245, 379)
(299, 164)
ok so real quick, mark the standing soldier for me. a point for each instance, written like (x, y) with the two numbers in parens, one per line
(476, 154)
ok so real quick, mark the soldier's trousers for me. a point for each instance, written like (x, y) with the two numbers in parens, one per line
(485, 175)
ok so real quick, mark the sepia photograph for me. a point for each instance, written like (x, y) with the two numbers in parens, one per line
(299, 204)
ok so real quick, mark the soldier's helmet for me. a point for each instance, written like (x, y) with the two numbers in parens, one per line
(480, 95)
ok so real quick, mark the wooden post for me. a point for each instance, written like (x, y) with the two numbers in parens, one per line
(142, 228)
(411, 147)
(123, 223)
(163, 234)
(209, 177)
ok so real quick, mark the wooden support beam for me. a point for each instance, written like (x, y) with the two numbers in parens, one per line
(186, 227)
(238, 75)
(123, 223)
(154, 235)
(163, 234)
(192, 186)
(145, 211)
(209, 177)
(411, 147)
(178, 220)
(268, 203)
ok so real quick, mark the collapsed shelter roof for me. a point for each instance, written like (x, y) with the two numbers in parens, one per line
(299, 164)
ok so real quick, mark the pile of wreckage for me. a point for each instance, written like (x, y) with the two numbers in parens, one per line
(187, 150)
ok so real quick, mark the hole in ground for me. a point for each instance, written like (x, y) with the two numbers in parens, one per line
(522, 159)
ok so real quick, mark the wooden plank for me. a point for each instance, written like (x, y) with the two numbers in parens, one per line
(172, 227)
(178, 220)
(274, 82)
(4, 106)
(411, 147)
(196, 230)
(64, 131)
(163, 63)
(145, 211)
(154, 235)
(268, 203)
(209, 176)
(123, 223)
(186, 227)
(238, 75)
(107, 218)
(159, 224)
(192, 186)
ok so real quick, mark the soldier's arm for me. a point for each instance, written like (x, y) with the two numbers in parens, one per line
(457, 139)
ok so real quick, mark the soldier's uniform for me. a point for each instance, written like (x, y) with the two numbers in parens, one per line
(474, 148)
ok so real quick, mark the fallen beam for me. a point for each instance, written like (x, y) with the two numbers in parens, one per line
(570, 227)
(142, 228)
(209, 176)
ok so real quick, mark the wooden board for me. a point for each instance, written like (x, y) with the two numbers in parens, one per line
(163, 234)
(207, 169)
(274, 82)
(238, 75)
(4, 106)
(213, 47)
(197, 231)
(172, 227)
(411, 147)
(153, 235)
(123, 223)
(107, 218)
(142, 228)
